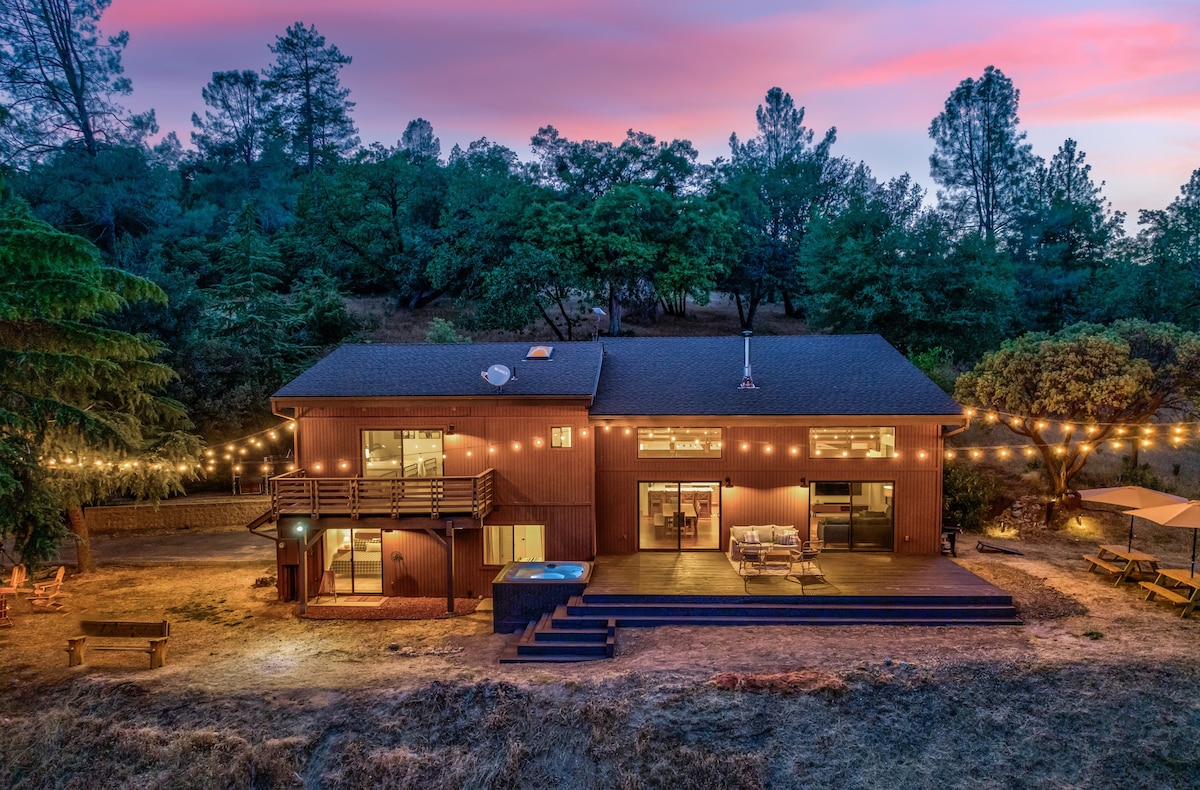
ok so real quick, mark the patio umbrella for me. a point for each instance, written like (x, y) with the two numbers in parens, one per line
(1185, 516)
(1130, 496)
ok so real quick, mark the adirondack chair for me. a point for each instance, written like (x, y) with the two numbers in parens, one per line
(4, 618)
(50, 594)
(14, 584)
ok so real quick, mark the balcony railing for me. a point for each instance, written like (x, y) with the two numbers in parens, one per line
(294, 493)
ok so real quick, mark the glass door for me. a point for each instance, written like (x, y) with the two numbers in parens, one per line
(679, 516)
(853, 514)
(356, 558)
(413, 453)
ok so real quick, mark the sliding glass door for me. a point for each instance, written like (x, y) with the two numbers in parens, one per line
(355, 556)
(853, 514)
(679, 516)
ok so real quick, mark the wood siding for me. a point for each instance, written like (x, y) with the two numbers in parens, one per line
(503, 437)
(533, 483)
(766, 475)
(587, 496)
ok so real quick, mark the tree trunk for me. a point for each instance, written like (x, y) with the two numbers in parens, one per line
(83, 545)
(614, 311)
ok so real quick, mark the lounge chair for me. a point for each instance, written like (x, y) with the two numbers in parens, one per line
(14, 583)
(49, 594)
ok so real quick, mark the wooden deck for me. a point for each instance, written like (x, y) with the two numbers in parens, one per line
(295, 493)
(847, 574)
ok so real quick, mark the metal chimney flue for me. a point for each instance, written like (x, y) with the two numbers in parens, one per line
(747, 381)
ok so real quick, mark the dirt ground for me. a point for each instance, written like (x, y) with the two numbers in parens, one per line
(1098, 688)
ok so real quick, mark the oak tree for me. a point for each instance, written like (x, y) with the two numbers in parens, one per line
(1070, 392)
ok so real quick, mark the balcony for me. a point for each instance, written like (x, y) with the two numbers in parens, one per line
(430, 497)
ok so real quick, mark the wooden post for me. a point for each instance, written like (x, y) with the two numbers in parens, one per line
(303, 592)
(450, 565)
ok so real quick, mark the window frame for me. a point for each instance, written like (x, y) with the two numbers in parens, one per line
(647, 434)
(854, 432)
(513, 544)
(570, 436)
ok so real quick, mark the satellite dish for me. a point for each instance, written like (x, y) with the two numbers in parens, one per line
(497, 375)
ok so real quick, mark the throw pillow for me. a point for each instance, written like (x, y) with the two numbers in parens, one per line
(751, 536)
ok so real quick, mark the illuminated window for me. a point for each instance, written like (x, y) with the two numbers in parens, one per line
(679, 442)
(560, 437)
(411, 453)
(504, 543)
(851, 442)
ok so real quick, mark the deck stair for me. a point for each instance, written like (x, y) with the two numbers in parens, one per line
(647, 611)
(559, 638)
(584, 628)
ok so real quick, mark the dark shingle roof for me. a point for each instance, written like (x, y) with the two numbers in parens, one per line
(812, 374)
(425, 369)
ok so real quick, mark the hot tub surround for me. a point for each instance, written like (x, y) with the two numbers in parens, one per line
(524, 591)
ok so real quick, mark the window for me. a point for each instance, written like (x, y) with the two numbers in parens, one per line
(412, 453)
(356, 558)
(853, 514)
(560, 437)
(503, 543)
(679, 442)
(851, 442)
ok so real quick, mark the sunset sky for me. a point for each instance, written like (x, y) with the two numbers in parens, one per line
(1121, 77)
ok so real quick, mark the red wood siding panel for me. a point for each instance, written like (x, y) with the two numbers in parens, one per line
(504, 438)
(766, 481)
(422, 571)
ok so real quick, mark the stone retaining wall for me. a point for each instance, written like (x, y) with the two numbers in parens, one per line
(181, 513)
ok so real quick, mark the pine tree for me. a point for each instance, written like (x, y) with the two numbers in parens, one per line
(310, 99)
(81, 412)
(980, 158)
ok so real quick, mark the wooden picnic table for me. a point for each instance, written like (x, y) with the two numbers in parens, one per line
(1173, 584)
(1124, 562)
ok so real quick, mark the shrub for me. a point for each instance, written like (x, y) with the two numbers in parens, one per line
(442, 331)
(967, 495)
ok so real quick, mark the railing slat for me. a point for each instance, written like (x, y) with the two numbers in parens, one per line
(294, 492)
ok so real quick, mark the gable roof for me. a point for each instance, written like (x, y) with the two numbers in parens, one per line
(668, 376)
(802, 375)
(436, 370)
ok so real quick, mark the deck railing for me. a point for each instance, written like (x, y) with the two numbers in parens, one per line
(295, 493)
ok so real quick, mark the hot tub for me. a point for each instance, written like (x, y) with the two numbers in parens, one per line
(547, 571)
(524, 591)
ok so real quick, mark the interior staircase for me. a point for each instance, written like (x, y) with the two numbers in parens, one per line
(584, 629)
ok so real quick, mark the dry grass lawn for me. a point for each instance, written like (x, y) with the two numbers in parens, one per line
(1098, 689)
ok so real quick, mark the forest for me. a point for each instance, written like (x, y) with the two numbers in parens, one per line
(228, 259)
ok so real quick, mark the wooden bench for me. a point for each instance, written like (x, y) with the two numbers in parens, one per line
(1185, 589)
(1105, 564)
(1165, 592)
(155, 633)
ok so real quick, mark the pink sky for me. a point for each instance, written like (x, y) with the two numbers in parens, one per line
(1122, 78)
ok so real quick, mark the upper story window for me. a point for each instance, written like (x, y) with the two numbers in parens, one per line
(411, 453)
(560, 437)
(851, 442)
(679, 442)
